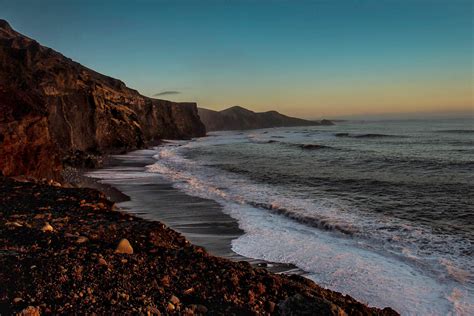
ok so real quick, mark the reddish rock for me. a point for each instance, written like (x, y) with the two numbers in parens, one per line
(102, 262)
(30, 311)
(54, 111)
(125, 248)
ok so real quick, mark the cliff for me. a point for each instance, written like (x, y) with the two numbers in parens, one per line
(54, 111)
(239, 118)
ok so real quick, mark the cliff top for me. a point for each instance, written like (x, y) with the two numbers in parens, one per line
(6, 30)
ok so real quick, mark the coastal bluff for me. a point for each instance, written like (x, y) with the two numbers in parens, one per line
(56, 112)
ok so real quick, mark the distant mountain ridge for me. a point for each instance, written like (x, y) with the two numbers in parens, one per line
(239, 118)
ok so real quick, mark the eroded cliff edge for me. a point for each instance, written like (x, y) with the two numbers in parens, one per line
(54, 111)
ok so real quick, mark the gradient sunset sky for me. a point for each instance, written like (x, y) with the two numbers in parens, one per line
(303, 58)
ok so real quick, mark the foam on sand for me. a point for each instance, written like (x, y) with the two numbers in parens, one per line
(276, 229)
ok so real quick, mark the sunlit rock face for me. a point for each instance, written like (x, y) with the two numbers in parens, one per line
(55, 111)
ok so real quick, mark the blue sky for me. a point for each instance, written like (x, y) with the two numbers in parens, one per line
(306, 58)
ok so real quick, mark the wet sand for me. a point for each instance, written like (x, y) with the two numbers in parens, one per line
(151, 197)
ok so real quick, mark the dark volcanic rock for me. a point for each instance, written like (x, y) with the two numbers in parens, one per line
(239, 118)
(55, 111)
(75, 268)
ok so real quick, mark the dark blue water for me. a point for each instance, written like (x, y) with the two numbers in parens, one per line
(379, 210)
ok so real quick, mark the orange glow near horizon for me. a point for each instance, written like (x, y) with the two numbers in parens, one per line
(349, 98)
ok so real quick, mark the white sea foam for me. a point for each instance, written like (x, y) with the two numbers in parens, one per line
(323, 237)
(121, 174)
(462, 304)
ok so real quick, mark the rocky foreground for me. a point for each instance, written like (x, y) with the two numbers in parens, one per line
(68, 250)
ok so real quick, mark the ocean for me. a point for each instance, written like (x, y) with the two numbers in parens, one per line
(379, 210)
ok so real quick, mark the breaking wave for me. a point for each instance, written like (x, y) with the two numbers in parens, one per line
(372, 135)
(326, 238)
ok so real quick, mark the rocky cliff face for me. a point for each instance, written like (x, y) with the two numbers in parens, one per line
(239, 118)
(54, 111)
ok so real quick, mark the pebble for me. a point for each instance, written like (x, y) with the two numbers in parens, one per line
(125, 296)
(82, 240)
(124, 247)
(17, 300)
(102, 262)
(174, 300)
(165, 281)
(55, 184)
(188, 291)
(170, 307)
(16, 224)
(47, 228)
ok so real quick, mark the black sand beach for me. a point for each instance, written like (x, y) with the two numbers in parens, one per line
(153, 198)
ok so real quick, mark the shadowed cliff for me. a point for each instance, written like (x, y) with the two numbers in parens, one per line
(54, 111)
(239, 118)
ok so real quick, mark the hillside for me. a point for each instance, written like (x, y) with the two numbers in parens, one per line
(239, 118)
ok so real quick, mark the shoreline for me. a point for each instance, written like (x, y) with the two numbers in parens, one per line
(59, 254)
(202, 221)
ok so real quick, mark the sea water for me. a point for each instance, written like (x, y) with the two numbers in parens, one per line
(379, 210)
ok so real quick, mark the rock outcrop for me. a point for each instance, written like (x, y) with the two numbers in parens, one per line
(239, 118)
(54, 111)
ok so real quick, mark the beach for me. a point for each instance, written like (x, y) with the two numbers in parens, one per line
(236, 158)
(369, 238)
(66, 250)
(124, 180)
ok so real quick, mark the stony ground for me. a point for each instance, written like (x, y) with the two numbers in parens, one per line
(60, 254)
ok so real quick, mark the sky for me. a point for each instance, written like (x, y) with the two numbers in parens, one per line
(310, 59)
